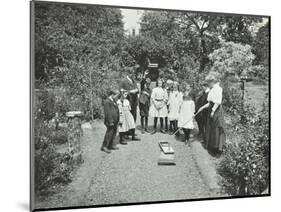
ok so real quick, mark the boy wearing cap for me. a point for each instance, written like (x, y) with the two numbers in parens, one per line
(111, 120)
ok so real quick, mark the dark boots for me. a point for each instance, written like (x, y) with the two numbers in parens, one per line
(134, 138)
(154, 126)
(122, 141)
(144, 124)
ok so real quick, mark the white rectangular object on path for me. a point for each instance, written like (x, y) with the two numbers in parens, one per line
(166, 147)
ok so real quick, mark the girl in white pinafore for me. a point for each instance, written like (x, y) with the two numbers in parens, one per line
(175, 99)
(186, 115)
(158, 108)
(127, 121)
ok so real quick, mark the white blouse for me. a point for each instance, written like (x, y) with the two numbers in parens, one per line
(159, 94)
(215, 94)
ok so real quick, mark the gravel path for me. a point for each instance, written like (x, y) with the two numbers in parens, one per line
(131, 174)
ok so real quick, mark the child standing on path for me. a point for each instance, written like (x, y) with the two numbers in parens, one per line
(111, 119)
(158, 108)
(175, 99)
(127, 122)
(186, 114)
(144, 104)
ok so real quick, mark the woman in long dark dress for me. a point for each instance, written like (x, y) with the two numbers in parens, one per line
(215, 128)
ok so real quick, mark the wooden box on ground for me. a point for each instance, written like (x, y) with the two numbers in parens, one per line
(167, 154)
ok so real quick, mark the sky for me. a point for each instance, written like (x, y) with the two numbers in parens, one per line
(131, 19)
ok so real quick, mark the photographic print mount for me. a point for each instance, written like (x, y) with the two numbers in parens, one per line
(108, 83)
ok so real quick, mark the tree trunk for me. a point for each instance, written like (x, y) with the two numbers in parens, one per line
(91, 97)
(202, 53)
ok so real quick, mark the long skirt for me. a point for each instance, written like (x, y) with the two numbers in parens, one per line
(215, 130)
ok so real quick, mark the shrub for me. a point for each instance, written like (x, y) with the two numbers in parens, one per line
(260, 73)
(245, 164)
(51, 168)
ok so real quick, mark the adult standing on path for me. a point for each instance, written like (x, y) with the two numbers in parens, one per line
(201, 118)
(175, 99)
(128, 84)
(111, 119)
(215, 129)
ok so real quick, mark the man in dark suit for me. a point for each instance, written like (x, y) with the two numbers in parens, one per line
(201, 118)
(111, 120)
(128, 84)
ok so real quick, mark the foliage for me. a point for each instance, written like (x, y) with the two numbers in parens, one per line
(261, 46)
(172, 37)
(260, 73)
(82, 51)
(78, 47)
(245, 164)
(232, 58)
(202, 29)
(236, 28)
(51, 168)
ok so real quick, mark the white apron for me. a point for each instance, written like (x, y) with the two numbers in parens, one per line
(187, 110)
(175, 99)
(159, 99)
(126, 117)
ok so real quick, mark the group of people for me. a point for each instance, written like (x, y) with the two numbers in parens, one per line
(173, 104)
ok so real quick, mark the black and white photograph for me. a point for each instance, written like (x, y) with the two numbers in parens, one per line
(136, 105)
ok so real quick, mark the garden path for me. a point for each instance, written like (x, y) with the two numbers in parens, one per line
(131, 174)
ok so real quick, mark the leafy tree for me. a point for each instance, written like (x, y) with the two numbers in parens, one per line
(232, 58)
(236, 28)
(261, 46)
(79, 47)
(202, 27)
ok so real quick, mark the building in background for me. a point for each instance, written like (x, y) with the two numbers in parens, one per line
(131, 19)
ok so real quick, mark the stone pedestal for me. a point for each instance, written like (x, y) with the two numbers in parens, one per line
(74, 135)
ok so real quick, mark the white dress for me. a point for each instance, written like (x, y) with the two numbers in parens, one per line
(126, 117)
(159, 99)
(175, 99)
(187, 110)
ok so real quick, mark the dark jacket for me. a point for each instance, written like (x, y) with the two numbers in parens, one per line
(201, 100)
(111, 112)
(128, 85)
